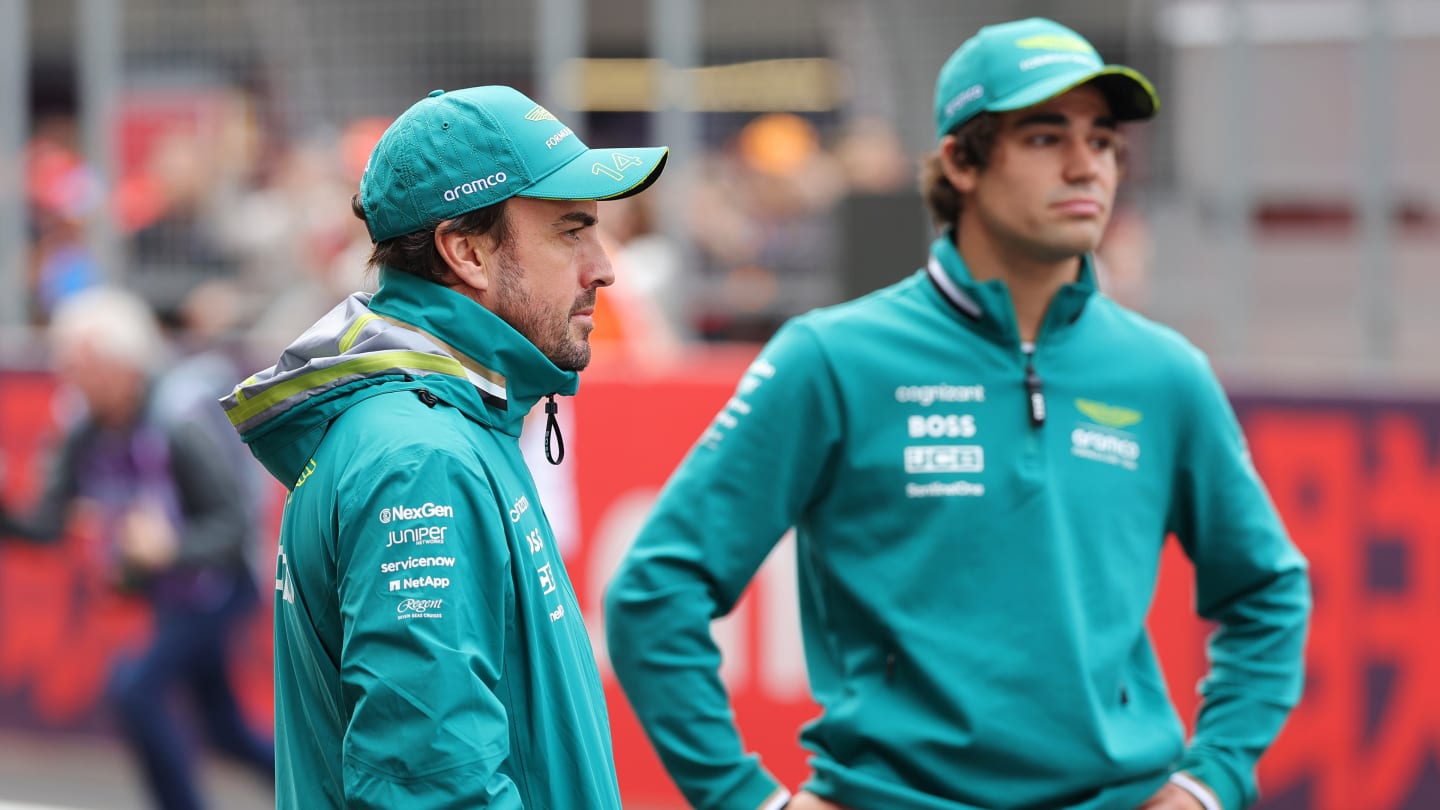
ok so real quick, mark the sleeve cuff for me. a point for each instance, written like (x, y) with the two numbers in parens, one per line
(1197, 789)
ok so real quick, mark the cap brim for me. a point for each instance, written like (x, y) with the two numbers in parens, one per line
(602, 174)
(1131, 96)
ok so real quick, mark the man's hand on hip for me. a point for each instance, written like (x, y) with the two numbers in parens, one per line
(1172, 797)
(809, 801)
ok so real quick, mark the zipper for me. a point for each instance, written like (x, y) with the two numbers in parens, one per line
(1034, 386)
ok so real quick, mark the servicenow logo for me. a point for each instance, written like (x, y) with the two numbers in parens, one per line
(428, 510)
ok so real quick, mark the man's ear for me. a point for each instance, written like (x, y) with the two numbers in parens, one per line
(466, 257)
(961, 175)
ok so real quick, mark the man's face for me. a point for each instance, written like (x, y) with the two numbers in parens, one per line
(548, 275)
(112, 390)
(1050, 184)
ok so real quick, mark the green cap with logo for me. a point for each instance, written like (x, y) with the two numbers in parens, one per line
(454, 152)
(1019, 64)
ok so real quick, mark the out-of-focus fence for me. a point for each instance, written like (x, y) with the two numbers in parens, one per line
(1281, 211)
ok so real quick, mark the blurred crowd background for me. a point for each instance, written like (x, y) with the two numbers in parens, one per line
(1283, 211)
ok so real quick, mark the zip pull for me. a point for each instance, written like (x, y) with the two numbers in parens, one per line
(1034, 389)
(552, 425)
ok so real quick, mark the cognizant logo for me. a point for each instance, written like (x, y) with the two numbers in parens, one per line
(429, 510)
(473, 186)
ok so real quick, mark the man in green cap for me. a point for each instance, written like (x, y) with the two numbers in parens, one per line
(982, 463)
(429, 649)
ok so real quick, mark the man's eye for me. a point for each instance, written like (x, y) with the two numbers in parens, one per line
(1043, 139)
(1103, 143)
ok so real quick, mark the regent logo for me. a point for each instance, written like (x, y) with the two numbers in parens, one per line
(474, 186)
(928, 395)
(429, 510)
(944, 458)
(420, 608)
(1108, 415)
(1105, 446)
(417, 562)
(539, 113)
(419, 582)
(942, 426)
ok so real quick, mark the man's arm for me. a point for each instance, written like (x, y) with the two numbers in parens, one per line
(421, 664)
(1251, 581)
(45, 522)
(218, 512)
(745, 482)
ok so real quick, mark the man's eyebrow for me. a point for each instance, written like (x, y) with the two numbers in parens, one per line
(577, 217)
(1058, 120)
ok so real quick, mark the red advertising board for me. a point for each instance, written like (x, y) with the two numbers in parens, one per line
(1355, 480)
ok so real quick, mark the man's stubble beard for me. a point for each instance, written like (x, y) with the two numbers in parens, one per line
(550, 334)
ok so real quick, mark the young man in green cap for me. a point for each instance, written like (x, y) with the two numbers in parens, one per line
(429, 649)
(982, 463)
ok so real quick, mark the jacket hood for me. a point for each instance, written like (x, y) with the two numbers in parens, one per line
(987, 305)
(409, 335)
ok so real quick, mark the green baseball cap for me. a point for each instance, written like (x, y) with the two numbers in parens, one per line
(1019, 64)
(458, 151)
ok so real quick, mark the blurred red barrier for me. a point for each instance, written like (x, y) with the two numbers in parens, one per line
(1356, 481)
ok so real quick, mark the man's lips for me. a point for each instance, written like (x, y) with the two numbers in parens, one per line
(1079, 207)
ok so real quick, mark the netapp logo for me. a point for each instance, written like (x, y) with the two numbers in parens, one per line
(429, 510)
(419, 582)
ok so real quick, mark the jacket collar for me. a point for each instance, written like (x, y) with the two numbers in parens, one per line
(987, 306)
(507, 371)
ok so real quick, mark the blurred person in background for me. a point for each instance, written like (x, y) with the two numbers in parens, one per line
(152, 473)
(429, 647)
(982, 462)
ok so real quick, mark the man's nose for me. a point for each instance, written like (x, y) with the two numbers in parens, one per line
(599, 272)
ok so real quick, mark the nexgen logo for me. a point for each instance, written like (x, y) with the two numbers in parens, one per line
(428, 510)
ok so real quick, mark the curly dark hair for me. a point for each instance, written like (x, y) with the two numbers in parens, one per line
(415, 253)
(975, 144)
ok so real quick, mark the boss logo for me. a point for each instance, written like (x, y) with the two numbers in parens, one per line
(942, 426)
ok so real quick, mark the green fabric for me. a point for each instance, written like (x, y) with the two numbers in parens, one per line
(455, 152)
(973, 589)
(429, 647)
(1018, 64)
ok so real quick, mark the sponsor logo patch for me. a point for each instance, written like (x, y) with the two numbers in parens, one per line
(944, 458)
(428, 510)
(417, 562)
(420, 609)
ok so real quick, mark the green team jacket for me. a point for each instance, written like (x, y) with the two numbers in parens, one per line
(429, 649)
(974, 579)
